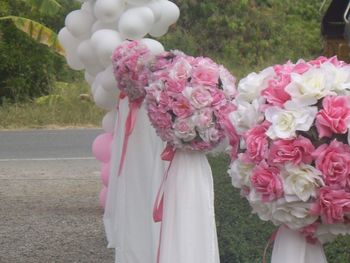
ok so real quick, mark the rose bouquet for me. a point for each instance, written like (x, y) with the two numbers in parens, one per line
(131, 68)
(294, 160)
(188, 102)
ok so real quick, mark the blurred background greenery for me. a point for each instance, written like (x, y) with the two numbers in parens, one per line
(37, 89)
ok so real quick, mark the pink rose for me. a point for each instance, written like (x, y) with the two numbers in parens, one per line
(266, 181)
(275, 93)
(301, 68)
(338, 63)
(331, 205)
(296, 151)
(334, 117)
(201, 146)
(201, 97)
(218, 97)
(257, 144)
(176, 86)
(205, 73)
(181, 70)
(318, 61)
(333, 161)
(182, 107)
(158, 117)
(184, 129)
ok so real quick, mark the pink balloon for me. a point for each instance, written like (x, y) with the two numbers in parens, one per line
(101, 147)
(103, 197)
(105, 173)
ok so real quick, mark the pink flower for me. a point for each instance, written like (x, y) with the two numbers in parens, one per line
(205, 73)
(176, 86)
(181, 70)
(182, 107)
(275, 93)
(309, 233)
(201, 97)
(318, 61)
(266, 181)
(202, 146)
(158, 117)
(334, 117)
(333, 161)
(204, 119)
(296, 151)
(331, 205)
(257, 143)
(184, 129)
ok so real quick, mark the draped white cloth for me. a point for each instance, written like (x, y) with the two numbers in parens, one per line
(128, 214)
(188, 232)
(291, 247)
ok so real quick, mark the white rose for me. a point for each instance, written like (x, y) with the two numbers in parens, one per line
(209, 135)
(251, 86)
(228, 82)
(240, 173)
(285, 122)
(294, 214)
(246, 116)
(263, 210)
(301, 181)
(308, 88)
(341, 77)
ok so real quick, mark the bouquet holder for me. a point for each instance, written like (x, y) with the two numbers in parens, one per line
(291, 247)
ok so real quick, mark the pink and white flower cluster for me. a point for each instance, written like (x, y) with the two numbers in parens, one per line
(131, 62)
(188, 101)
(294, 160)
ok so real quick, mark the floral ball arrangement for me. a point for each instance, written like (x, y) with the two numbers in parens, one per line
(294, 160)
(188, 101)
(131, 68)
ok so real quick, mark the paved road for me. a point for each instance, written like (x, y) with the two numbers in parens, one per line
(49, 209)
(74, 143)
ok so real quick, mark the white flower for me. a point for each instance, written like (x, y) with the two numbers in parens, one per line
(263, 210)
(228, 82)
(285, 122)
(251, 86)
(294, 214)
(301, 181)
(341, 77)
(308, 88)
(246, 116)
(240, 173)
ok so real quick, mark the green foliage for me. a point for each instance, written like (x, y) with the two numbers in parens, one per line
(28, 69)
(53, 110)
(246, 35)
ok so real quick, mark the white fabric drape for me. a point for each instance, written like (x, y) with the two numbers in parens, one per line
(128, 214)
(291, 247)
(188, 232)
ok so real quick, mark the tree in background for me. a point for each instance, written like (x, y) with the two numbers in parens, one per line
(28, 69)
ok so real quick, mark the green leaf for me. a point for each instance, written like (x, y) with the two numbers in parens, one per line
(37, 31)
(47, 7)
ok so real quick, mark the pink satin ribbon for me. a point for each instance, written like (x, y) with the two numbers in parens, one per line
(134, 107)
(269, 243)
(167, 155)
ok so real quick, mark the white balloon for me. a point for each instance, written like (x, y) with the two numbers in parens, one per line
(158, 30)
(156, 8)
(108, 10)
(138, 2)
(136, 22)
(79, 23)
(105, 42)
(89, 78)
(108, 81)
(109, 120)
(153, 45)
(89, 58)
(105, 100)
(88, 6)
(67, 40)
(98, 25)
(170, 12)
(74, 62)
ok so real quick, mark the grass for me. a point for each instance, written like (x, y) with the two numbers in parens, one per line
(63, 107)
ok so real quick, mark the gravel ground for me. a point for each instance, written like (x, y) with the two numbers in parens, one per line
(49, 212)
